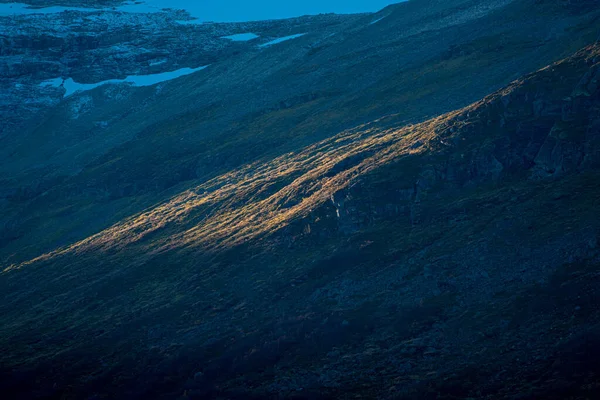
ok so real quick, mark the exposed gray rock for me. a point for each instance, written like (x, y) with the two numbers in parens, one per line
(101, 45)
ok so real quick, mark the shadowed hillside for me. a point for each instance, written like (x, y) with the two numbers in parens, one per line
(378, 249)
(104, 155)
(404, 211)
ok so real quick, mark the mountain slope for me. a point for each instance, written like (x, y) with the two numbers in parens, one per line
(453, 258)
(105, 155)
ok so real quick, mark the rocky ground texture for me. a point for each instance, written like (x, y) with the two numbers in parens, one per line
(108, 44)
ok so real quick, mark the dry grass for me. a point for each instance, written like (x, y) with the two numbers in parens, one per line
(265, 196)
(260, 197)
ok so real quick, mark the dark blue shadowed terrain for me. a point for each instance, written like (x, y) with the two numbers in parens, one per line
(398, 205)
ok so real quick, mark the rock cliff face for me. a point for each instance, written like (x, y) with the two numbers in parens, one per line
(405, 209)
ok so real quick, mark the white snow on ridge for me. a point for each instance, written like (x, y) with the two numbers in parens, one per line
(281, 39)
(52, 82)
(376, 21)
(160, 62)
(241, 37)
(73, 87)
(190, 22)
(153, 79)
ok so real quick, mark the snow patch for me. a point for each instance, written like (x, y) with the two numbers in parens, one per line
(190, 22)
(281, 39)
(160, 62)
(73, 87)
(52, 83)
(376, 21)
(153, 79)
(241, 37)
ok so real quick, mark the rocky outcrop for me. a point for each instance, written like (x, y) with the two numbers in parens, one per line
(107, 44)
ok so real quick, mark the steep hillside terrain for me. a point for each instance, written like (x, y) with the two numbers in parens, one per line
(123, 149)
(405, 209)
